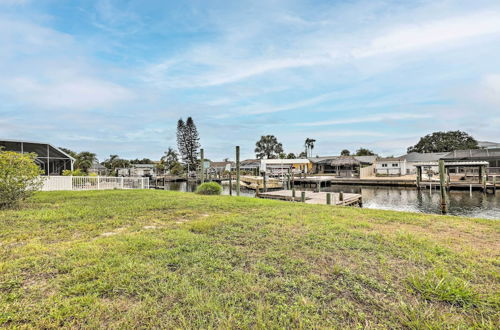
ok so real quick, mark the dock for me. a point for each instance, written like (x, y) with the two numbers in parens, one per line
(344, 199)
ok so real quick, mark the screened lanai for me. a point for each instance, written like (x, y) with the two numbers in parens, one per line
(51, 160)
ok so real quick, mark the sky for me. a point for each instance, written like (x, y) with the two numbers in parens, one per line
(113, 77)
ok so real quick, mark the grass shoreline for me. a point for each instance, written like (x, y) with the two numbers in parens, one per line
(131, 259)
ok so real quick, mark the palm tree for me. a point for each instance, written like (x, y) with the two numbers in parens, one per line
(268, 147)
(170, 158)
(85, 160)
(309, 145)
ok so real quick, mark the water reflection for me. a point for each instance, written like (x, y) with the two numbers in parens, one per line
(461, 203)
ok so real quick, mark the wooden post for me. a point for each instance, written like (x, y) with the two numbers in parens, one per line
(485, 179)
(303, 196)
(237, 170)
(419, 176)
(494, 184)
(442, 187)
(230, 185)
(328, 198)
(202, 165)
(341, 196)
(264, 181)
(480, 174)
(293, 194)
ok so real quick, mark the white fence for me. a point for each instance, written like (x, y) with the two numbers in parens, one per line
(51, 183)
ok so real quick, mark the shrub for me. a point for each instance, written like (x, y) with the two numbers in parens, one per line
(209, 188)
(19, 177)
(77, 172)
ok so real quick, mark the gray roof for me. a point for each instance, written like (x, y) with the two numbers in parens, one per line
(424, 157)
(473, 154)
(329, 159)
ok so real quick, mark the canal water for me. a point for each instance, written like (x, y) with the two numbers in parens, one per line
(461, 202)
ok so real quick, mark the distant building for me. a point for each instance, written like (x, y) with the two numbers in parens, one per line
(492, 156)
(148, 170)
(390, 166)
(98, 169)
(341, 166)
(252, 165)
(220, 167)
(414, 158)
(52, 160)
(281, 166)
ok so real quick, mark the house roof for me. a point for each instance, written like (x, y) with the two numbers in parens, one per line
(286, 161)
(329, 159)
(472, 154)
(390, 159)
(424, 157)
(220, 164)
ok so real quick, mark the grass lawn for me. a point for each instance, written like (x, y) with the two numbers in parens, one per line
(127, 259)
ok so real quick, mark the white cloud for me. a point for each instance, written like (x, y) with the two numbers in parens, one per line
(79, 93)
(431, 34)
(368, 119)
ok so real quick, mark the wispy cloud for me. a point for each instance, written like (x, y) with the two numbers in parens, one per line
(368, 119)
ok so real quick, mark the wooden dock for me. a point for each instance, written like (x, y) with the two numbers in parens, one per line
(345, 199)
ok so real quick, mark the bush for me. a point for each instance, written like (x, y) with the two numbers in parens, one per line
(209, 188)
(77, 172)
(19, 177)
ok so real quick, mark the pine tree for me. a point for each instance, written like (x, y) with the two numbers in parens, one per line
(192, 142)
(188, 141)
(181, 140)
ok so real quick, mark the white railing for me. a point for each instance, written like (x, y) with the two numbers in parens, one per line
(51, 183)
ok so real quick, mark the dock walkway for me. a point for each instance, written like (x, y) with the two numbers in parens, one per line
(314, 197)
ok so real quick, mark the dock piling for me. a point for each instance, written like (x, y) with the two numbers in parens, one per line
(303, 196)
(442, 187)
(237, 170)
(329, 198)
(202, 166)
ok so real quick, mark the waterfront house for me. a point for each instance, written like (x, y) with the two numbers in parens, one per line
(250, 165)
(220, 167)
(390, 166)
(414, 158)
(281, 166)
(342, 166)
(492, 156)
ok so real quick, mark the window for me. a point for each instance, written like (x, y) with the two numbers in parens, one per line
(384, 165)
(394, 164)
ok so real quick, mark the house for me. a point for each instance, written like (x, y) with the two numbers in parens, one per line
(250, 165)
(492, 156)
(414, 158)
(341, 166)
(281, 166)
(52, 160)
(148, 170)
(390, 166)
(220, 167)
(98, 169)
(488, 145)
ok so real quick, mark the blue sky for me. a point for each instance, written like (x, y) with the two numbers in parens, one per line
(113, 77)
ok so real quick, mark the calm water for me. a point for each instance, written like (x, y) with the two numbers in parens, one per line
(462, 203)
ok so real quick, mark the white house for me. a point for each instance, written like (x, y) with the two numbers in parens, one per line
(390, 166)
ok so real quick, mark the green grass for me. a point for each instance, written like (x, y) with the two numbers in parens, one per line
(128, 259)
